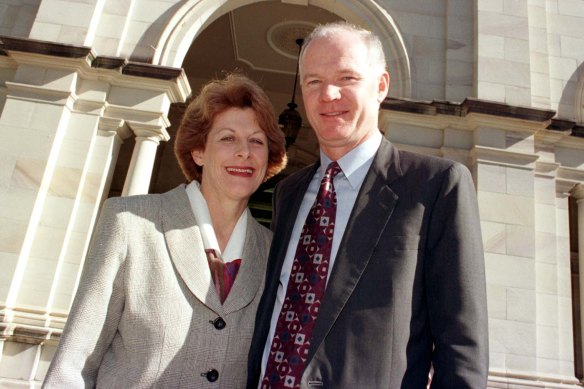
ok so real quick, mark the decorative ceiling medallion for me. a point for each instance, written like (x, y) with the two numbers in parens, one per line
(282, 36)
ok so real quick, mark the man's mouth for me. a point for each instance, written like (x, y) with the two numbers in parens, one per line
(333, 114)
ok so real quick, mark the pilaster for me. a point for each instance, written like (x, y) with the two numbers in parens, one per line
(65, 114)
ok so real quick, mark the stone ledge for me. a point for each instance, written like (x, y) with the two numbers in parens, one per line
(27, 334)
(32, 46)
(472, 105)
(515, 379)
(43, 47)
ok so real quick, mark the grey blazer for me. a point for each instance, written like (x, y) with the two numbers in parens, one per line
(408, 285)
(145, 310)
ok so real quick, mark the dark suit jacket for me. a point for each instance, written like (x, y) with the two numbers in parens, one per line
(408, 285)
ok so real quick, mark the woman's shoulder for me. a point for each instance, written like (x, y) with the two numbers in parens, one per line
(258, 228)
(145, 202)
(256, 231)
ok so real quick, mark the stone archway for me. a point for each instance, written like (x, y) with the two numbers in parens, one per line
(195, 15)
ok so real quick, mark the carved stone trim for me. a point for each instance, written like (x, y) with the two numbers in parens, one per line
(25, 45)
(472, 105)
(151, 71)
(43, 47)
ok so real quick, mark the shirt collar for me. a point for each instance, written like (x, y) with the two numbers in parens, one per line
(356, 162)
(234, 248)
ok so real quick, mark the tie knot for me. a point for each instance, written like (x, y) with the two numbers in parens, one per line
(332, 170)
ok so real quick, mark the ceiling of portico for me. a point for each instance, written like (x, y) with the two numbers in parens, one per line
(258, 39)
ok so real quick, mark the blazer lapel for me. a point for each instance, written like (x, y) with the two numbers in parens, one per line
(251, 273)
(185, 245)
(370, 214)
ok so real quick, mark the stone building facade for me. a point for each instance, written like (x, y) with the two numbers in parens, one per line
(91, 92)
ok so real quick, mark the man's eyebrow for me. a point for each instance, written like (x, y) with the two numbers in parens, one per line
(338, 72)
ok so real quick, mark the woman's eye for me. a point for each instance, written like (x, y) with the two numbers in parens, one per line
(257, 141)
(227, 138)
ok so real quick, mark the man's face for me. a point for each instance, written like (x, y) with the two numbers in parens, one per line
(341, 92)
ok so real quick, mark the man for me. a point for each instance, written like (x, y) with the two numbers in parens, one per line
(405, 288)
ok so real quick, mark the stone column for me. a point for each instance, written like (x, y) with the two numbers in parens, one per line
(578, 193)
(140, 170)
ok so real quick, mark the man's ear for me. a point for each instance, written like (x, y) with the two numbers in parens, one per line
(384, 82)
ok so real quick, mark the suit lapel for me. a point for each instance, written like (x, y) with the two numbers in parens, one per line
(289, 204)
(288, 197)
(185, 246)
(370, 214)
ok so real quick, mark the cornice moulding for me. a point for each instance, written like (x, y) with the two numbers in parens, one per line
(152, 118)
(90, 107)
(546, 168)
(7, 62)
(435, 122)
(83, 60)
(496, 114)
(467, 107)
(23, 91)
(492, 108)
(419, 149)
(504, 157)
(572, 174)
(11, 44)
(547, 381)
(572, 142)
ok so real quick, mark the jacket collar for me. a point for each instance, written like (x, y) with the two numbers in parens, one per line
(185, 246)
(371, 213)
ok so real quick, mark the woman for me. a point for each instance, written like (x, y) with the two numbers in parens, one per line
(171, 284)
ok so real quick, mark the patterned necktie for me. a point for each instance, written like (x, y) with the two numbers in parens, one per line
(305, 290)
(223, 273)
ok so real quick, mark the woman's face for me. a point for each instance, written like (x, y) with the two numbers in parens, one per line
(235, 158)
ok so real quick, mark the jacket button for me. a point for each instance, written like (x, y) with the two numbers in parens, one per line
(212, 375)
(219, 323)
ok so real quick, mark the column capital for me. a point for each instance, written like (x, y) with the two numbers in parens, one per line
(115, 127)
(148, 131)
(578, 192)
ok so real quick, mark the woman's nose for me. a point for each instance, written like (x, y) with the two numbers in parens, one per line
(243, 150)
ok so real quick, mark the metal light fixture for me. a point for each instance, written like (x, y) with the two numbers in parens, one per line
(290, 120)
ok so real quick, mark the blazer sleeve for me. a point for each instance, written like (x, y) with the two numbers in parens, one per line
(456, 290)
(97, 307)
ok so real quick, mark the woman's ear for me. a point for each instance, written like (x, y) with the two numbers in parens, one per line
(197, 156)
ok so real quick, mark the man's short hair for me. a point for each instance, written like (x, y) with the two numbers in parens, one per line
(374, 47)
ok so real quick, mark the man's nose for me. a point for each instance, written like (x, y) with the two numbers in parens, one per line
(330, 92)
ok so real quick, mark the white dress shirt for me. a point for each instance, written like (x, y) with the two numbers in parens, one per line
(355, 165)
